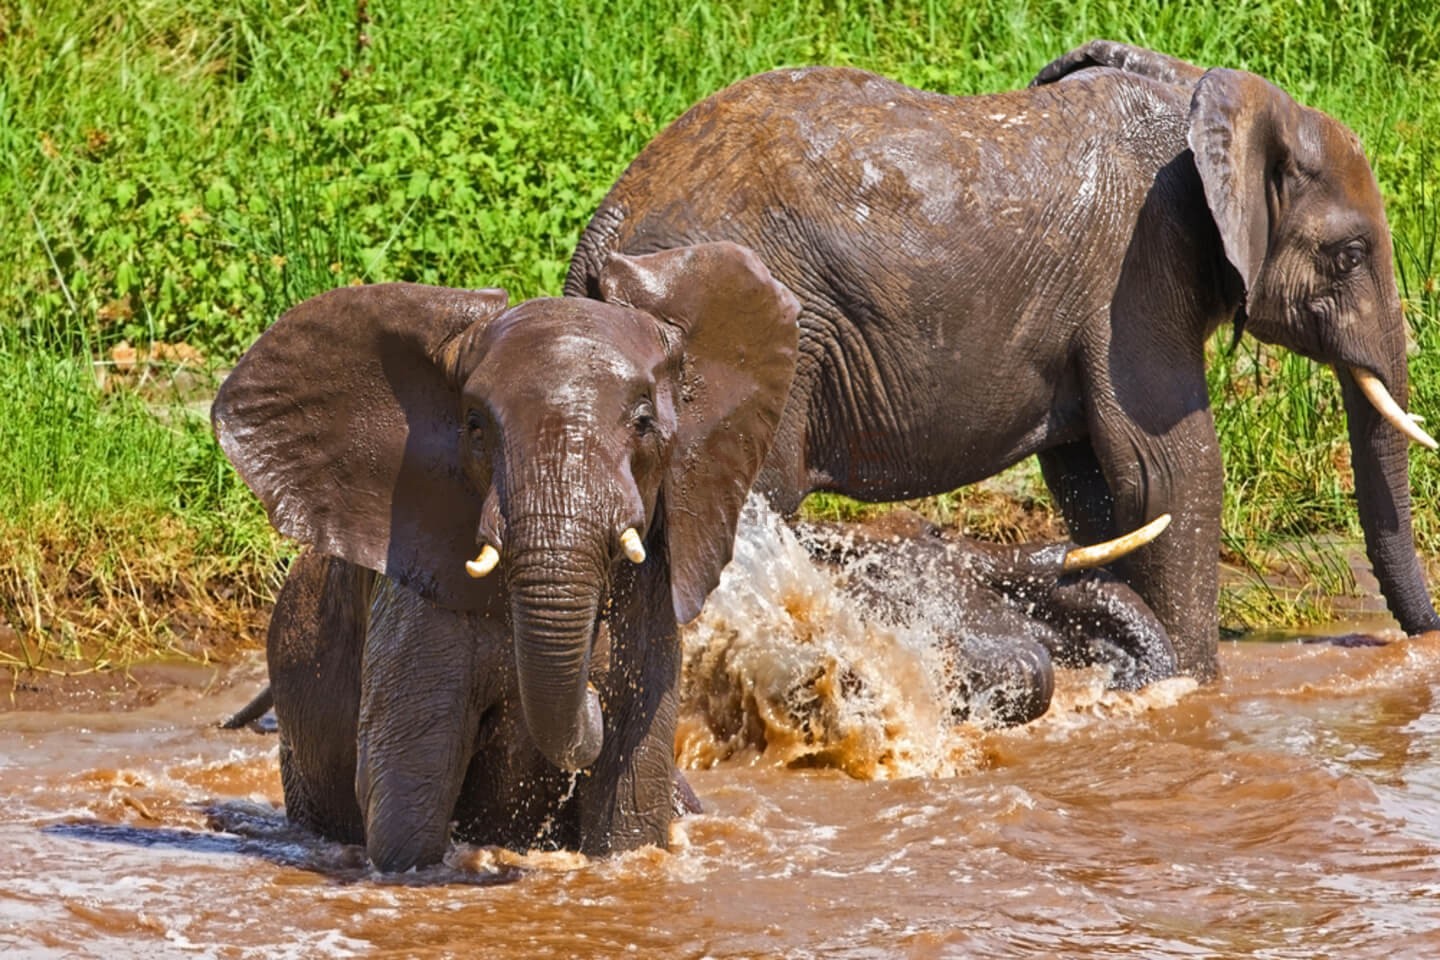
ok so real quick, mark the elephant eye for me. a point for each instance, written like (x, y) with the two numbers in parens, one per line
(1350, 256)
(642, 418)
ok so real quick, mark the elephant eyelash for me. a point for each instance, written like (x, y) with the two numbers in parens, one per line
(1349, 256)
(643, 418)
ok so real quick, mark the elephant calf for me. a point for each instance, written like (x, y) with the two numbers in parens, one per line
(1005, 612)
(509, 509)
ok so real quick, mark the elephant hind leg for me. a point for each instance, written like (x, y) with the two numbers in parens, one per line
(599, 240)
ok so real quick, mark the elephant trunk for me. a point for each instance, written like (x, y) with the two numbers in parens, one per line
(555, 597)
(1379, 455)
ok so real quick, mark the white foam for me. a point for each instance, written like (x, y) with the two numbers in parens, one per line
(786, 666)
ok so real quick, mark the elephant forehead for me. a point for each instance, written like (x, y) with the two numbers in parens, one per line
(544, 344)
(1335, 160)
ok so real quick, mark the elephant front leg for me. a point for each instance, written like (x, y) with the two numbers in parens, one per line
(313, 652)
(1176, 470)
(419, 714)
(628, 798)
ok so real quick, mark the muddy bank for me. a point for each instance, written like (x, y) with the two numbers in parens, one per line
(205, 653)
(209, 625)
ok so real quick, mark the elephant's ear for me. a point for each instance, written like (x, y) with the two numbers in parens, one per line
(739, 339)
(1243, 134)
(343, 418)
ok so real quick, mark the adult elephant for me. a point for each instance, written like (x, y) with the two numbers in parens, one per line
(1037, 272)
(509, 509)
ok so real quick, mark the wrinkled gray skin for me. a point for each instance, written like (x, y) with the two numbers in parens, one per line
(1006, 612)
(399, 429)
(1037, 272)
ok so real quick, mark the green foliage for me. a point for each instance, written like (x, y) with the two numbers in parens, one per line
(185, 172)
(188, 171)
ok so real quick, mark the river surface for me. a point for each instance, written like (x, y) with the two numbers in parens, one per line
(1290, 810)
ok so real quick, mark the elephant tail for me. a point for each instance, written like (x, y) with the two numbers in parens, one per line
(1136, 61)
(252, 711)
(600, 239)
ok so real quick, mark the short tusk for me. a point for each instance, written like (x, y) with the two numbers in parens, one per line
(1083, 558)
(483, 564)
(1385, 404)
(634, 549)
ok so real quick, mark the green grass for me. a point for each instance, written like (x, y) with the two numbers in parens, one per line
(182, 173)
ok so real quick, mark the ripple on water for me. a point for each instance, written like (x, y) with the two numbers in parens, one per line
(1286, 811)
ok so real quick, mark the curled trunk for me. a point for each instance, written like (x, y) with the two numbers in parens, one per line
(1379, 454)
(555, 598)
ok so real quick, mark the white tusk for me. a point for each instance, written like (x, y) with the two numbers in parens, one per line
(483, 564)
(1083, 558)
(634, 549)
(1385, 404)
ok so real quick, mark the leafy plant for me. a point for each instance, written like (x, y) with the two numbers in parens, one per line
(182, 173)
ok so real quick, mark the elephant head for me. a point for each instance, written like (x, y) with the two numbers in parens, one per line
(1302, 222)
(508, 460)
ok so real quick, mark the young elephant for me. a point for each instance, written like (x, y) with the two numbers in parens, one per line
(1038, 272)
(509, 511)
(1004, 611)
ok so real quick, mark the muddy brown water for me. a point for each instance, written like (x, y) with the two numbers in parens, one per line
(1290, 810)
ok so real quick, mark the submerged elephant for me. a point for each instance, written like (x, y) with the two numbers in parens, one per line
(1005, 611)
(509, 510)
(1037, 272)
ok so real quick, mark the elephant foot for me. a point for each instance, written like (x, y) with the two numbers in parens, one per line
(999, 682)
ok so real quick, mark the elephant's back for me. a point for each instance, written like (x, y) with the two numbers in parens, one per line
(786, 158)
(772, 132)
(772, 162)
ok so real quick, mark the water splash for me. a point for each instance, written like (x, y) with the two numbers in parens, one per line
(787, 666)
(867, 662)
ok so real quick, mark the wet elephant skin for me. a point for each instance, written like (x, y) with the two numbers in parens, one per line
(1010, 612)
(1037, 272)
(508, 512)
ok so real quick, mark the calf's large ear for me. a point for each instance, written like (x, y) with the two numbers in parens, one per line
(739, 336)
(1244, 137)
(343, 418)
